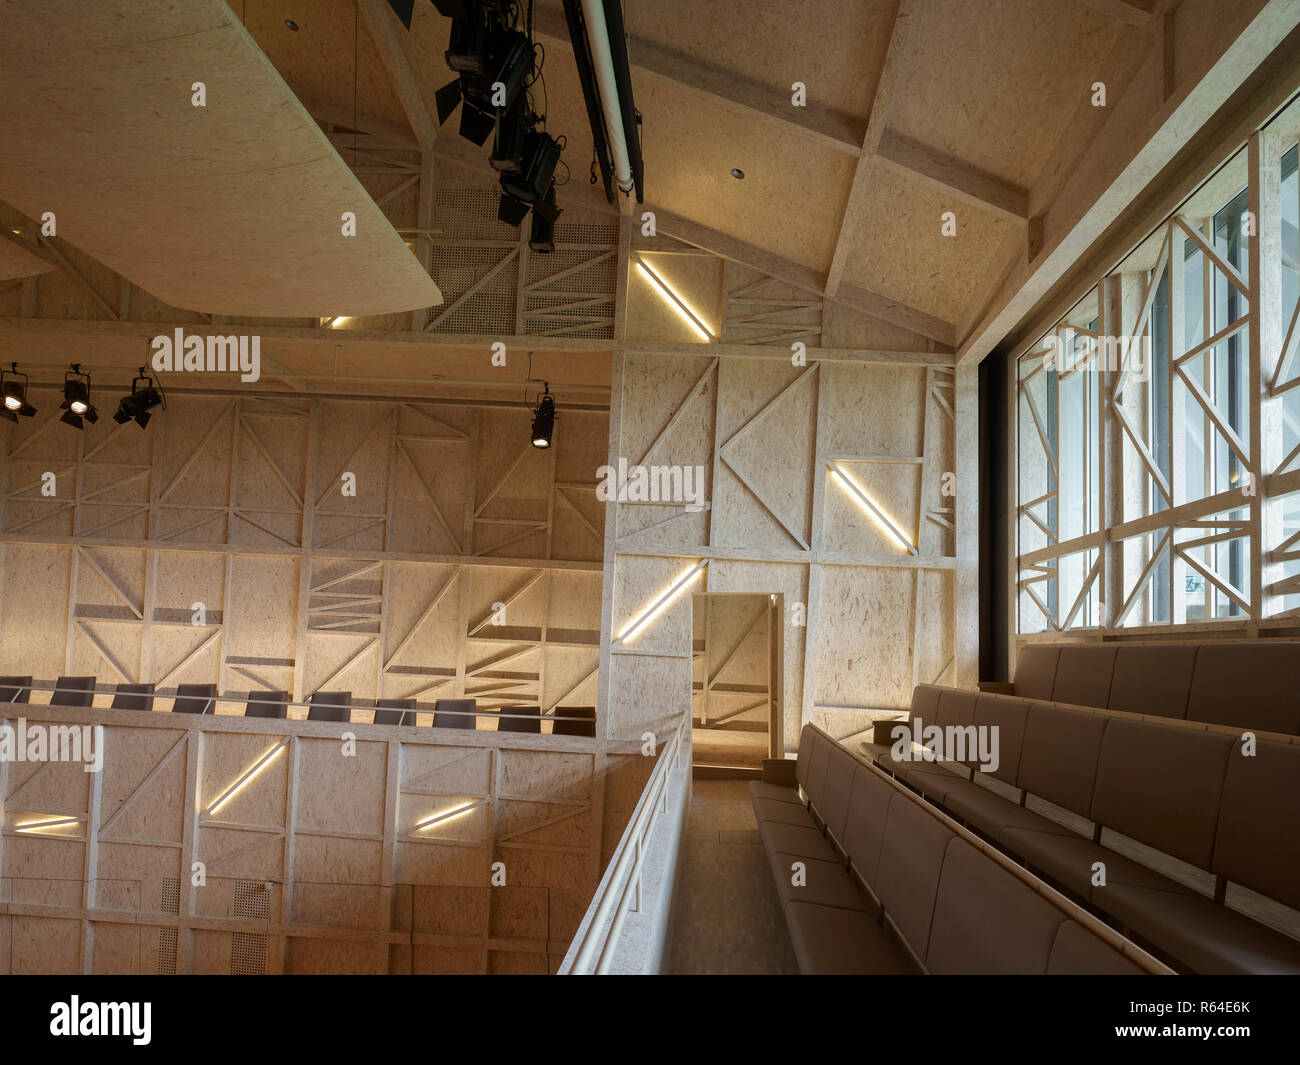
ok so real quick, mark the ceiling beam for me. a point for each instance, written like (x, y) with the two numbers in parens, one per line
(723, 87)
(385, 31)
(952, 175)
(891, 75)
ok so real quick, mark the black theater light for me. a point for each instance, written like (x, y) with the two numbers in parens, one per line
(544, 419)
(529, 184)
(508, 142)
(511, 211)
(76, 403)
(13, 387)
(144, 396)
(544, 215)
(476, 125)
(467, 50)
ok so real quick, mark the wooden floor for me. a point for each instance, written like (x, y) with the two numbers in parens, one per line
(711, 746)
(727, 917)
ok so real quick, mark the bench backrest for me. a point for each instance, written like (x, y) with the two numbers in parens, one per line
(1244, 684)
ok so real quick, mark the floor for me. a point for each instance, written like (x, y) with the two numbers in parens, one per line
(727, 916)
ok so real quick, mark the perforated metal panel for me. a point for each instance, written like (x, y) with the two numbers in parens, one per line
(251, 900)
(247, 954)
(167, 940)
(170, 898)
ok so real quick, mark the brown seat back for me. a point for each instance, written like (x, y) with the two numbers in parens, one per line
(986, 920)
(1078, 952)
(1083, 674)
(1258, 840)
(1153, 678)
(1247, 686)
(803, 761)
(836, 788)
(133, 697)
(1036, 670)
(821, 753)
(1058, 760)
(907, 877)
(73, 691)
(15, 689)
(1006, 716)
(1160, 785)
(925, 703)
(459, 713)
(864, 827)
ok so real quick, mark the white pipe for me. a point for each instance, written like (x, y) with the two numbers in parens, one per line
(593, 13)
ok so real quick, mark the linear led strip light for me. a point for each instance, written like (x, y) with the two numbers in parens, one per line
(248, 775)
(658, 605)
(447, 815)
(873, 508)
(691, 318)
(55, 822)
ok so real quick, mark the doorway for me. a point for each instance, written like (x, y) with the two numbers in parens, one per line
(736, 682)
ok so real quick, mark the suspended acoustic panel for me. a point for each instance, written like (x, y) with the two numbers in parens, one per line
(235, 207)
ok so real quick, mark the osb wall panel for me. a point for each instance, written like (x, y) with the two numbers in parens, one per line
(388, 852)
(224, 544)
(869, 608)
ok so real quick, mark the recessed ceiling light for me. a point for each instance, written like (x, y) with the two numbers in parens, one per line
(737, 173)
(291, 24)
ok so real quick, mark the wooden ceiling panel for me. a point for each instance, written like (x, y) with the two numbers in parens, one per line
(790, 199)
(230, 208)
(899, 250)
(997, 85)
(835, 47)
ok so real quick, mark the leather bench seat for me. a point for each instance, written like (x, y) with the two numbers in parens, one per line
(761, 789)
(829, 941)
(933, 901)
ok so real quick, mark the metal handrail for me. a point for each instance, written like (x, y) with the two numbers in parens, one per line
(166, 694)
(593, 943)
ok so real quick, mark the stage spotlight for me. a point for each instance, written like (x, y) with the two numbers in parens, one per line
(76, 399)
(13, 386)
(509, 59)
(403, 9)
(511, 211)
(476, 125)
(508, 143)
(544, 419)
(544, 215)
(541, 153)
(467, 51)
(143, 398)
(452, 8)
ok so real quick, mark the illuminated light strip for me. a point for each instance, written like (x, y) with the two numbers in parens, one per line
(875, 510)
(676, 301)
(662, 601)
(257, 767)
(32, 826)
(448, 815)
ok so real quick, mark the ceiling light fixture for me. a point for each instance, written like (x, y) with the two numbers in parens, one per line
(659, 604)
(13, 386)
(873, 509)
(544, 419)
(737, 173)
(292, 25)
(143, 398)
(76, 403)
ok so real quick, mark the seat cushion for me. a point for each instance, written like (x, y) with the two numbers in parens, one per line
(761, 789)
(1077, 952)
(1069, 859)
(779, 838)
(824, 883)
(988, 921)
(934, 781)
(1206, 938)
(995, 816)
(832, 941)
(787, 813)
